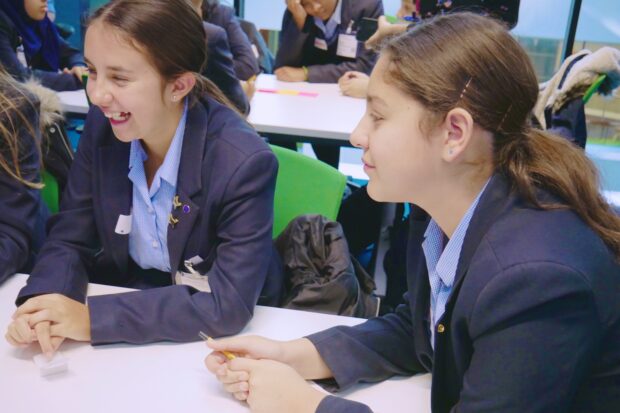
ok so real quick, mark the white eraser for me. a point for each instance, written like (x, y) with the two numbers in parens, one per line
(58, 364)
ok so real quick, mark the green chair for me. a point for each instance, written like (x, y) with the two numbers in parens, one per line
(49, 193)
(304, 186)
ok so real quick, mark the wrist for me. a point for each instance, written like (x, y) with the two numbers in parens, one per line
(306, 73)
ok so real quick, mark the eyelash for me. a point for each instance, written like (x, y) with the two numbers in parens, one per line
(375, 118)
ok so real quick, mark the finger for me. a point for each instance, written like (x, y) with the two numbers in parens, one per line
(245, 364)
(227, 376)
(243, 395)
(240, 345)
(31, 306)
(13, 338)
(25, 334)
(41, 316)
(56, 342)
(45, 340)
(242, 386)
(214, 360)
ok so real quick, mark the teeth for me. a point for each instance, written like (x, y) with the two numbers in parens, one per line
(117, 115)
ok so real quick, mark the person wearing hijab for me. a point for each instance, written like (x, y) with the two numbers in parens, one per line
(30, 46)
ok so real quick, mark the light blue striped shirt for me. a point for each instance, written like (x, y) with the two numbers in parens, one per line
(148, 245)
(442, 262)
(329, 28)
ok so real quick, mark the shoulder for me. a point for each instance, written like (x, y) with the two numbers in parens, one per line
(215, 34)
(365, 7)
(228, 131)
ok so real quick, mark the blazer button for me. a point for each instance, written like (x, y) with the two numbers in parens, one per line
(441, 328)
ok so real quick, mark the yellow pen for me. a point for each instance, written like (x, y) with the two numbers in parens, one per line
(205, 337)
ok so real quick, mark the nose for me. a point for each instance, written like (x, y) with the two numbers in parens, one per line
(98, 92)
(359, 136)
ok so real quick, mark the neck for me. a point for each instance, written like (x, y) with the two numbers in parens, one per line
(457, 194)
(156, 147)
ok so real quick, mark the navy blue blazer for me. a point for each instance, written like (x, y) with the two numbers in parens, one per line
(219, 68)
(226, 178)
(21, 226)
(246, 63)
(325, 66)
(69, 57)
(532, 324)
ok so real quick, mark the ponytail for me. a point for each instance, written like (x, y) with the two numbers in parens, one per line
(205, 86)
(539, 159)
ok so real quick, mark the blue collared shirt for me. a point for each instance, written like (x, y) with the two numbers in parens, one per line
(442, 262)
(148, 245)
(329, 29)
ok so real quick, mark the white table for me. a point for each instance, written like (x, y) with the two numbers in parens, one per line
(163, 377)
(326, 116)
(329, 115)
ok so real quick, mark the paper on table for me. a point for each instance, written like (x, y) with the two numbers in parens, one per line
(58, 364)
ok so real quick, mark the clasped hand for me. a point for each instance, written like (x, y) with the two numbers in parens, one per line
(49, 319)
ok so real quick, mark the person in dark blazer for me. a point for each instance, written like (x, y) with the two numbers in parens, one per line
(513, 255)
(219, 68)
(246, 62)
(21, 216)
(25, 28)
(169, 188)
(317, 44)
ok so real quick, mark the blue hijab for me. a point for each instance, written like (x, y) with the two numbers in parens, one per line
(38, 36)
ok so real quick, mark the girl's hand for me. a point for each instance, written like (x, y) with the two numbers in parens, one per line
(68, 318)
(298, 12)
(354, 84)
(290, 74)
(274, 387)
(21, 334)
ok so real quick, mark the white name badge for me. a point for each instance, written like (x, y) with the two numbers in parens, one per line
(320, 43)
(123, 225)
(21, 56)
(197, 281)
(347, 46)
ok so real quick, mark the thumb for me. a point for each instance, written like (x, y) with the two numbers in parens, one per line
(239, 345)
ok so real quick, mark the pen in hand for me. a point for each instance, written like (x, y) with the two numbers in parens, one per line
(205, 337)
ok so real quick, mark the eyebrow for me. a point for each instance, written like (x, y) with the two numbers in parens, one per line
(376, 100)
(111, 68)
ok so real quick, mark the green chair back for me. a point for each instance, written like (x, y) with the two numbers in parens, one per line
(304, 186)
(49, 193)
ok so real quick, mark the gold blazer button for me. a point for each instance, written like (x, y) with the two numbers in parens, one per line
(441, 328)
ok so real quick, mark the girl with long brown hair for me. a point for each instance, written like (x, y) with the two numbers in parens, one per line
(513, 254)
(20, 199)
(169, 188)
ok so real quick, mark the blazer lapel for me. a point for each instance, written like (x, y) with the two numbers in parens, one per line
(419, 288)
(189, 184)
(116, 192)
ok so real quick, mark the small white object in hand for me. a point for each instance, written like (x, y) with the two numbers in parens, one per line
(58, 364)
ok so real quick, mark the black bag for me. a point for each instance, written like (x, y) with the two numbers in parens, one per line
(319, 273)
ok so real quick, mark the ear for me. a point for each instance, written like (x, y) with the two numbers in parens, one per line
(181, 86)
(459, 128)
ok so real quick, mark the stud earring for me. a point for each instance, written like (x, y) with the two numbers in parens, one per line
(450, 151)
(174, 98)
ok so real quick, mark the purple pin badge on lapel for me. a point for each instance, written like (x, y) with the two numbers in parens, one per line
(186, 209)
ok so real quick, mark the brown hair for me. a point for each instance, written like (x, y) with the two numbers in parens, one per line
(172, 35)
(473, 62)
(15, 103)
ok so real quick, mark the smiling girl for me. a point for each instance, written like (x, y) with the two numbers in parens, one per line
(512, 265)
(169, 188)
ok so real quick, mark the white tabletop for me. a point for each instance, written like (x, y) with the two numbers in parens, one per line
(320, 111)
(163, 377)
(328, 115)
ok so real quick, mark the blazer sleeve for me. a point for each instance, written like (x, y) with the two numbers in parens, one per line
(19, 204)
(63, 262)
(365, 59)
(535, 331)
(246, 64)
(370, 352)
(332, 404)
(220, 68)
(291, 42)
(178, 313)
(69, 56)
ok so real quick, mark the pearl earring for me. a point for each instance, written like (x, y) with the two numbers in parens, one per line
(174, 98)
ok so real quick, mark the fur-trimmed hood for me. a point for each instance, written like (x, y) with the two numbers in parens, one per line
(51, 108)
